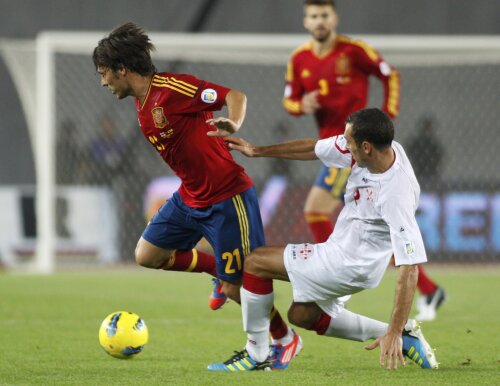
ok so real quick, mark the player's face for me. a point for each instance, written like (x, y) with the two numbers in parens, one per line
(357, 152)
(115, 81)
(320, 21)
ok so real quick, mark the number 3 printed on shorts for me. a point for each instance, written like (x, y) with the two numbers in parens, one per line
(231, 258)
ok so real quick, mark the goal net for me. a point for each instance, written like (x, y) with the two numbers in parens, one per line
(98, 180)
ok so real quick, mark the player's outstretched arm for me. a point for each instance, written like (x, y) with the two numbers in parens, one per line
(391, 344)
(236, 103)
(300, 149)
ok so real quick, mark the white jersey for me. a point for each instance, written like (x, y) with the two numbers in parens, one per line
(378, 219)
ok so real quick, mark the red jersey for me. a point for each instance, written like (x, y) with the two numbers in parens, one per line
(341, 76)
(172, 118)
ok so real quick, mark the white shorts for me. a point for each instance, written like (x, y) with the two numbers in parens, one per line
(315, 279)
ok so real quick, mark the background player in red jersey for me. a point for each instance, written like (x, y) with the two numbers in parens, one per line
(216, 199)
(329, 77)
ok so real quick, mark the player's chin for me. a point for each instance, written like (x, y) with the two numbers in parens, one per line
(321, 35)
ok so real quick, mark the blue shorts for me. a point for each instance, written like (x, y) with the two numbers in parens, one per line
(233, 228)
(333, 180)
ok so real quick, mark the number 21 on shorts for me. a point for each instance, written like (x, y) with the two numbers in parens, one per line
(233, 261)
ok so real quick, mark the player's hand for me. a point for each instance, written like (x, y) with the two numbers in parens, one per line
(309, 103)
(391, 350)
(239, 144)
(224, 127)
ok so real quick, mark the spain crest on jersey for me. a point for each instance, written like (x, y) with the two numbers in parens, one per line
(159, 118)
(343, 65)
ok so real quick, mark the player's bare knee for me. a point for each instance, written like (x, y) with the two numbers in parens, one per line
(144, 258)
(302, 315)
(253, 262)
(296, 318)
(141, 257)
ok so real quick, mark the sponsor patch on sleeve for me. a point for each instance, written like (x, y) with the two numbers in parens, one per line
(409, 248)
(209, 95)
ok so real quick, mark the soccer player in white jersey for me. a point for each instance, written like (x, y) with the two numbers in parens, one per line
(378, 221)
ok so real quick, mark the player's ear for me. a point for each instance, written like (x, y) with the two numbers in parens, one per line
(367, 147)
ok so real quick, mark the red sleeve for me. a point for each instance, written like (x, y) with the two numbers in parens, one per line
(202, 95)
(293, 89)
(372, 63)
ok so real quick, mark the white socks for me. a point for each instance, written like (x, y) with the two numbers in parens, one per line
(256, 309)
(286, 339)
(348, 325)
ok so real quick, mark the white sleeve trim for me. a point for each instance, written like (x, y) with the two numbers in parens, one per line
(333, 152)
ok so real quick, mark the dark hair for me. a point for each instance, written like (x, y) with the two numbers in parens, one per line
(127, 46)
(319, 2)
(373, 126)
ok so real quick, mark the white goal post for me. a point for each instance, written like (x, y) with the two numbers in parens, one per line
(245, 49)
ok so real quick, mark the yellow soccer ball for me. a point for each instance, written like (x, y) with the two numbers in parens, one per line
(123, 334)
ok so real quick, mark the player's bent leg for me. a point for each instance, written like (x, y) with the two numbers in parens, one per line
(266, 263)
(231, 290)
(304, 315)
(318, 209)
(191, 260)
(321, 200)
(150, 256)
(344, 324)
(261, 266)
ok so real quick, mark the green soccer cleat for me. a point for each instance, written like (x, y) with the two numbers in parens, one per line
(241, 361)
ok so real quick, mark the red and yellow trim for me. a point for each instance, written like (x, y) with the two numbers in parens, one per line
(292, 106)
(393, 94)
(147, 95)
(372, 54)
(243, 221)
(175, 84)
(193, 262)
(316, 217)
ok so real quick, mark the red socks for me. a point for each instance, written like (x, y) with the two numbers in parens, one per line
(191, 261)
(322, 324)
(320, 226)
(256, 284)
(278, 327)
(425, 285)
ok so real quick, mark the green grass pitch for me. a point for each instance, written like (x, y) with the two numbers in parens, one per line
(49, 327)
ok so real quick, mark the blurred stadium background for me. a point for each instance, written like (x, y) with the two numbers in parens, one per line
(107, 179)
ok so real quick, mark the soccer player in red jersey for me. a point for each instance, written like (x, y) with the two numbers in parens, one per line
(216, 199)
(329, 77)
